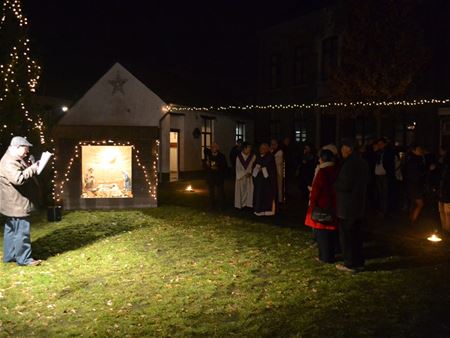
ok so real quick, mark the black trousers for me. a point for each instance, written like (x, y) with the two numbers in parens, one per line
(216, 194)
(351, 242)
(327, 241)
(382, 183)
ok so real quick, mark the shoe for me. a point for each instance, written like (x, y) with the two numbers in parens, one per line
(34, 262)
(342, 267)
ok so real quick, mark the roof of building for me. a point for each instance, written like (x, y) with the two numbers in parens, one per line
(117, 99)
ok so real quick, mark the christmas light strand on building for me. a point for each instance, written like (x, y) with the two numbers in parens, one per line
(398, 103)
(59, 183)
(20, 53)
(154, 188)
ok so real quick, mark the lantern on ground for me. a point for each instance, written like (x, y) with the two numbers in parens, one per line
(434, 238)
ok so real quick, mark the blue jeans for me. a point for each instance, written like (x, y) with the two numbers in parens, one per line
(16, 241)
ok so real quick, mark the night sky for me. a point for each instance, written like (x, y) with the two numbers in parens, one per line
(188, 52)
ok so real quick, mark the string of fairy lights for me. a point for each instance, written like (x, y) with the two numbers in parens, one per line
(306, 106)
(18, 54)
(150, 176)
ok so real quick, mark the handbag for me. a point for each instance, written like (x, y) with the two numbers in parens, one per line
(321, 215)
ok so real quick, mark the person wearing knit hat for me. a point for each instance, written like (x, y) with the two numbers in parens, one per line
(17, 192)
(331, 147)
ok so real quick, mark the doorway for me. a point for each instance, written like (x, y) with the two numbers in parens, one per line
(174, 155)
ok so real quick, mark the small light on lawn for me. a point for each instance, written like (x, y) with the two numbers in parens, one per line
(189, 188)
(434, 238)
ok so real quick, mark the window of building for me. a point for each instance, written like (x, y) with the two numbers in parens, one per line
(207, 134)
(240, 131)
(275, 72)
(300, 127)
(300, 66)
(275, 129)
(329, 57)
(300, 131)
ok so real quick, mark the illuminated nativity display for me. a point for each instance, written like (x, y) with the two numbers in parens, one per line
(107, 171)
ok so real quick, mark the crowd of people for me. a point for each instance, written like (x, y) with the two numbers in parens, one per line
(337, 185)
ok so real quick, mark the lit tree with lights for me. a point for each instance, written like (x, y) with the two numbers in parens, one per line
(19, 76)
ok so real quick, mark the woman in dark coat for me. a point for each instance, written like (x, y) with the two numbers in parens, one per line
(323, 196)
(416, 174)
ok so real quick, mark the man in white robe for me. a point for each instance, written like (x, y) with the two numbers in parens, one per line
(243, 193)
(279, 162)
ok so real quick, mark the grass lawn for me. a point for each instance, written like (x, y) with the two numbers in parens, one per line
(179, 271)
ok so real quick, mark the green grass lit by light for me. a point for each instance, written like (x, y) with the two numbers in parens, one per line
(176, 271)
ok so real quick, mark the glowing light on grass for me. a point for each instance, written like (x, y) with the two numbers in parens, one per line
(434, 238)
(189, 188)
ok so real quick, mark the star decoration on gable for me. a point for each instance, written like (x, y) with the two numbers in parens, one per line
(118, 84)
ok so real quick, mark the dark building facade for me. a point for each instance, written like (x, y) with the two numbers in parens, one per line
(296, 60)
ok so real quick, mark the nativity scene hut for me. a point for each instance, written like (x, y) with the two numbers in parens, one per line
(119, 139)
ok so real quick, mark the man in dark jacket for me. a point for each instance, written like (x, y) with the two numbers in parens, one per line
(351, 188)
(16, 202)
(216, 168)
(384, 171)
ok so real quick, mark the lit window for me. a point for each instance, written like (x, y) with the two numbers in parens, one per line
(300, 131)
(240, 131)
(207, 134)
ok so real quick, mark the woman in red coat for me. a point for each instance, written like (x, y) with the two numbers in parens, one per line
(323, 195)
